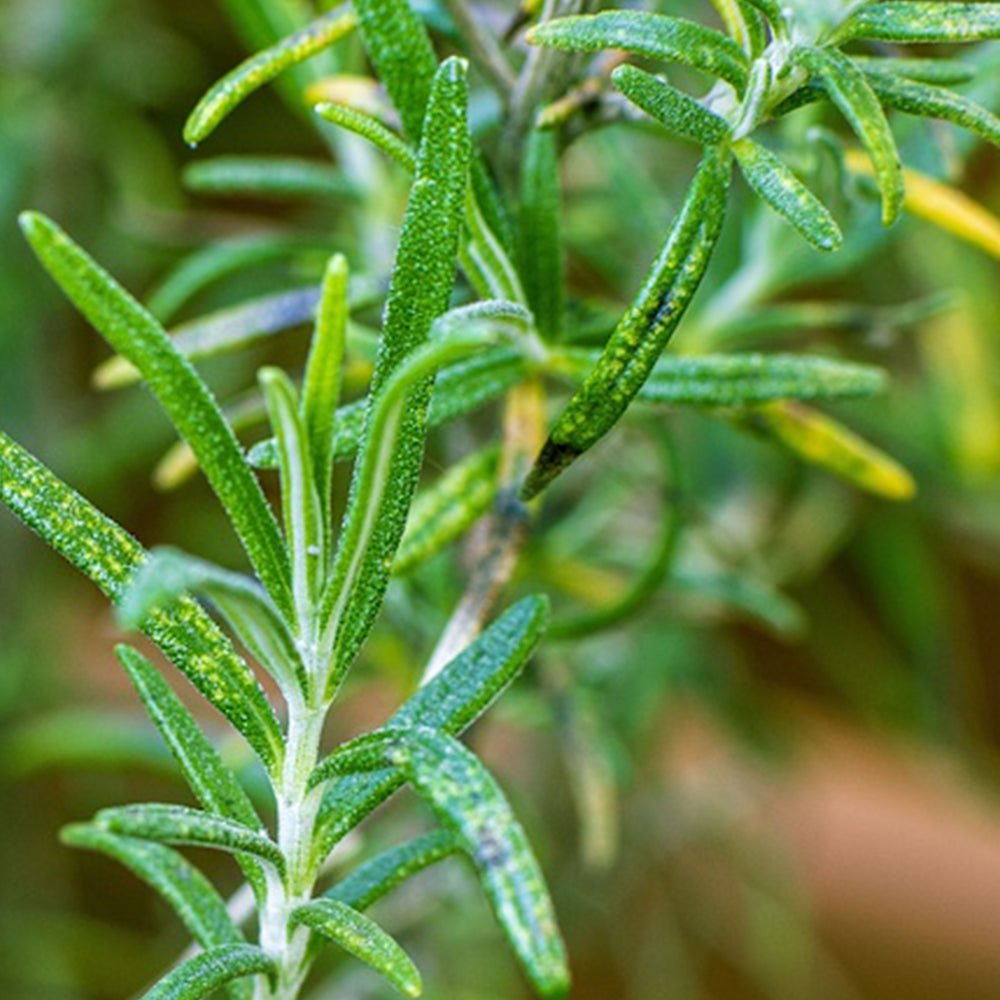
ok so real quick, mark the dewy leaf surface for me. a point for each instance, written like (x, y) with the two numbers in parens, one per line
(926, 22)
(199, 976)
(469, 803)
(134, 333)
(109, 556)
(655, 36)
(638, 340)
(361, 937)
(419, 292)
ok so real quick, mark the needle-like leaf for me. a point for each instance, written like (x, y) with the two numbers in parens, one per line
(655, 36)
(361, 937)
(925, 22)
(269, 177)
(850, 91)
(136, 335)
(199, 976)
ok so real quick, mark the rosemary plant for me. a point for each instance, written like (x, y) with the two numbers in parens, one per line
(493, 210)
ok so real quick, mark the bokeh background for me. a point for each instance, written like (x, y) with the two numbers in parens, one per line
(779, 779)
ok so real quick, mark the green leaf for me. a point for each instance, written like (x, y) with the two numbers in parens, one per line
(109, 556)
(774, 183)
(540, 237)
(185, 889)
(935, 102)
(637, 342)
(209, 971)
(324, 373)
(134, 333)
(446, 510)
(371, 129)
(848, 89)
(388, 468)
(683, 116)
(269, 177)
(452, 701)
(209, 264)
(303, 515)
(459, 389)
(361, 937)
(378, 876)
(402, 55)
(655, 36)
(169, 574)
(943, 72)
(169, 824)
(776, 15)
(467, 801)
(223, 332)
(263, 67)
(822, 441)
(925, 22)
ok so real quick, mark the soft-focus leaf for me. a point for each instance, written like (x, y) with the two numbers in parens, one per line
(269, 177)
(212, 969)
(823, 441)
(444, 511)
(655, 36)
(107, 554)
(773, 181)
(168, 824)
(850, 91)
(378, 876)
(263, 67)
(925, 22)
(361, 937)
(943, 72)
(371, 129)
(935, 102)
(135, 334)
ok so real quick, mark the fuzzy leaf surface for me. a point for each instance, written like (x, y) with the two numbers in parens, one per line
(212, 969)
(926, 22)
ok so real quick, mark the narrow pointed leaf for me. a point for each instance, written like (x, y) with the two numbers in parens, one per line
(223, 332)
(468, 802)
(361, 937)
(134, 333)
(644, 330)
(452, 701)
(822, 441)
(371, 129)
(109, 556)
(421, 285)
(676, 111)
(269, 177)
(539, 232)
(402, 55)
(303, 516)
(935, 102)
(192, 897)
(849, 90)
(446, 510)
(263, 67)
(655, 36)
(459, 389)
(943, 72)
(925, 22)
(324, 375)
(168, 824)
(774, 183)
(169, 574)
(381, 874)
(199, 976)
(213, 784)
